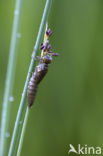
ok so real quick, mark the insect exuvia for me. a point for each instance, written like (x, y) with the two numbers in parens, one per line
(41, 69)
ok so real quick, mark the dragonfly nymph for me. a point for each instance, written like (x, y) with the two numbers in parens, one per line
(41, 69)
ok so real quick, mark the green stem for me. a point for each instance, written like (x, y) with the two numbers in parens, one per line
(23, 132)
(26, 118)
(22, 106)
(10, 78)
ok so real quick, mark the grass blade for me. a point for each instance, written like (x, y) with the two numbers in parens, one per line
(10, 77)
(23, 132)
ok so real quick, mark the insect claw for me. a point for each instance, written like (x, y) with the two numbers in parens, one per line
(41, 46)
(55, 54)
(37, 58)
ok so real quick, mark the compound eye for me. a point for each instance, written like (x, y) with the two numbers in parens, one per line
(47, 59)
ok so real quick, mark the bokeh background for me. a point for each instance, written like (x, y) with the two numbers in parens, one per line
(69, 104)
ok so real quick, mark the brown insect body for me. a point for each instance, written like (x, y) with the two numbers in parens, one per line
(41, 69)
(38, 75)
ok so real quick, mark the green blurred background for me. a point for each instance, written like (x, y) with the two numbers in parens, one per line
(69, 104)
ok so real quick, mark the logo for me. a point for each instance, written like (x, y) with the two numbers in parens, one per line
(84, 149)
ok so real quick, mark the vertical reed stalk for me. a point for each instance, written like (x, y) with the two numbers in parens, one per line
(10, 78)
(26, 115)
(23, 132)
(22, 106)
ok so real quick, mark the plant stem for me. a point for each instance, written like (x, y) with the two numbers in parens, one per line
(23, 132)
(22, 106)
(10, 77)
(27, 113)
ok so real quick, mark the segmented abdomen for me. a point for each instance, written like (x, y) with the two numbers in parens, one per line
(38, 75)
